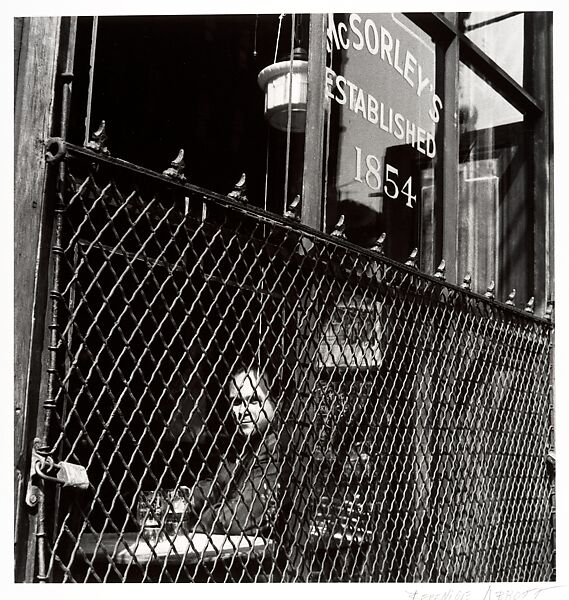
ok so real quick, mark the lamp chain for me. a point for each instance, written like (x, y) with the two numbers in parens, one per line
(278, 35)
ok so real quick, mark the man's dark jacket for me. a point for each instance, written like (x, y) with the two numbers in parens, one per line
(242, 497)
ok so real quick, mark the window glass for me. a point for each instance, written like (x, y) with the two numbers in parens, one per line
(480, 107)
(500, 35)
(449, 16)
(493, 217)
(384, 110)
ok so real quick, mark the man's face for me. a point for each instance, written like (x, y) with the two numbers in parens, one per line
(252, 409)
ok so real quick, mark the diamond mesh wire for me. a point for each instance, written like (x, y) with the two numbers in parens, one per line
(411, 418)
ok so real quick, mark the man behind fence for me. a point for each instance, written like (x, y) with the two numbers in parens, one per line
(241, 497)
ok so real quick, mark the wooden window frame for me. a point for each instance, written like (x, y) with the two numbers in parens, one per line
(533, 100)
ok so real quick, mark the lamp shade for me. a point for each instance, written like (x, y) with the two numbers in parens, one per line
(280, 91)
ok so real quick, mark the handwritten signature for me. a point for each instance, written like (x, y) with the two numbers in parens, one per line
(490, 593)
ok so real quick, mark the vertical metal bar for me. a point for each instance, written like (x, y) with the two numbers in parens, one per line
(266, 189)
(553, 494)
(57, 251)
(69, 62)
(314, 133)
(326, 159)
(49, 403)
(289, 115)
(91, 78)
(68, 76)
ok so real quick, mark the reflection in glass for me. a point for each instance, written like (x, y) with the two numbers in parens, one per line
(480, 107)
(493, 223)
(450, 16)
(500, 35)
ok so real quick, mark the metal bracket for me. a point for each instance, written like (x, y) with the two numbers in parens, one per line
(550, 461)
(32, 494)
(55, 150)
(66, 473)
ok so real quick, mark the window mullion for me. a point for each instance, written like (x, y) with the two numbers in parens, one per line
(446, 167)
(315, 124)
(538, 79)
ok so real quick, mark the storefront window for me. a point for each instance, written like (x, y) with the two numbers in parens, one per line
(162, 83)
(493, 218)
(384, 110)
(500, 35)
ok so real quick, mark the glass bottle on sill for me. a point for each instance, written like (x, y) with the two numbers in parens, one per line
(177, 515)
(150, 512)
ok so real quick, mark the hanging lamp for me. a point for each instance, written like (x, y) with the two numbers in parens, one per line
(282, 91)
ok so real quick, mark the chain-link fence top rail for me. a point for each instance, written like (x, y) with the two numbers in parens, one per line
(407, 420)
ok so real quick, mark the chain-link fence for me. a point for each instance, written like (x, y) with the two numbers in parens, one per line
(255, 401)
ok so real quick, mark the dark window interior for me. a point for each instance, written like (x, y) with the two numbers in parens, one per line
(162, 83)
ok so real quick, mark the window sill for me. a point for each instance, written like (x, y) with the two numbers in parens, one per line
(130, 547)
